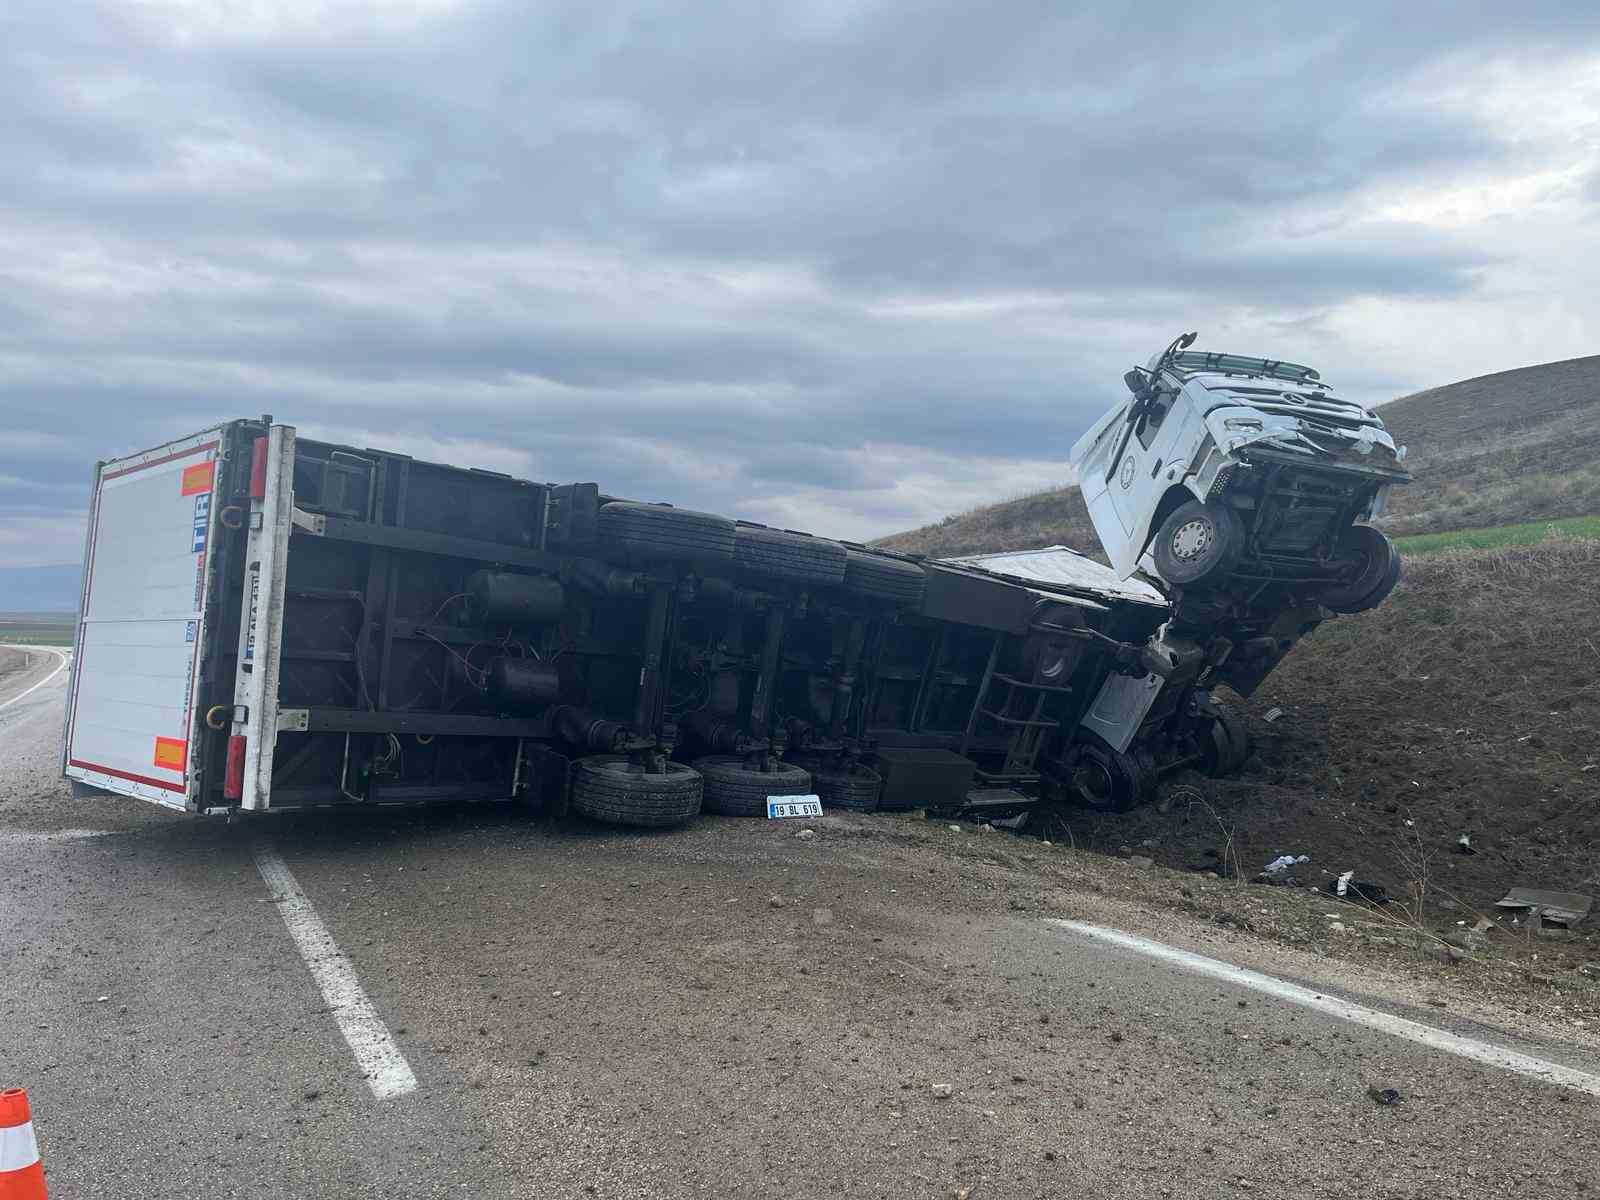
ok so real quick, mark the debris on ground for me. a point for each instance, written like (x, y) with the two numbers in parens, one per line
(1561, 909)
(1348, 887)
(807, 835)
(1385, 1095)
(943, 1091)
(1284, 864)
(1272, 714)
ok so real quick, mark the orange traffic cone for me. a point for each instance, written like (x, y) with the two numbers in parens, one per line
(21, 1172)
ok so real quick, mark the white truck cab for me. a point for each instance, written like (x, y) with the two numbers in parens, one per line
(1220, 468)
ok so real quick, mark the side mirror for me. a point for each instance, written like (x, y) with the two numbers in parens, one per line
(1137, 381)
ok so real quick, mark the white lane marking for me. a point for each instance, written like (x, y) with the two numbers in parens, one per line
(387, 1072)
(1415, 1031)
(30, 836)
(60, 666)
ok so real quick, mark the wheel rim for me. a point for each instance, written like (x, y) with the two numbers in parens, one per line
(1095, 782)
(1191, 540)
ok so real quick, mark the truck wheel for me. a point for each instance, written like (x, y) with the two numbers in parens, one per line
(1105, 780)
(1198, 542)
(883, 577)
(662, 532)
(858, 788)
(1225, 743)
(781, 554)
(608, 787)
(1376, 573)
(736, 791)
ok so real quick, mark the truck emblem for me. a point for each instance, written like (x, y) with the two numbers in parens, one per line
(1125, 477)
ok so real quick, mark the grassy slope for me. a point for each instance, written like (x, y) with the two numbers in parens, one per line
(1510, 447)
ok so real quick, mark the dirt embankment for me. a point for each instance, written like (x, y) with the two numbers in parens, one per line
(1468, 703)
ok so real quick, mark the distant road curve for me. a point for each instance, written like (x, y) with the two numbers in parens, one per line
(31, 680)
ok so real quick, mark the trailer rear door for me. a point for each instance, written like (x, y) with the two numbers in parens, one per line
(130, 716)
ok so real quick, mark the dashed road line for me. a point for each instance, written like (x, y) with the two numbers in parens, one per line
(1402, 1027)
(386, 1070)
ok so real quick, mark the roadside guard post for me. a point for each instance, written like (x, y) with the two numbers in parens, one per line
(21, 1172)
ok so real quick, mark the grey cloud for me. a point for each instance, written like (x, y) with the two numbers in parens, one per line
(331, 224)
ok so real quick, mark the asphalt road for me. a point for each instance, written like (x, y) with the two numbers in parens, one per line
(594, 1013)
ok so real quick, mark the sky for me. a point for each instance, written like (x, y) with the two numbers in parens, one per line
(838, 265)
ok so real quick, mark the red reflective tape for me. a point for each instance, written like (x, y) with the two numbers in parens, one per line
(258, 469)
(156, 462)
(233, 781)
(163, 784)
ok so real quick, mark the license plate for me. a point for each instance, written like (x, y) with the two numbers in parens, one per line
(793, 806)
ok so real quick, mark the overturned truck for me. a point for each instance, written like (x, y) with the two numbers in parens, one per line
(271, 622)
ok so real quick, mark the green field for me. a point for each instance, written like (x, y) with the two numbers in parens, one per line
(37, 629)
(1496, 536)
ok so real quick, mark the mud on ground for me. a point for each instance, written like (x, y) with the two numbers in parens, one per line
(1468, 703)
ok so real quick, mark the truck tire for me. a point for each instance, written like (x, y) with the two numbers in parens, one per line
(885, 578)
(1197, 544)
(780, 554)
(736, 791)
(857, 788)
(1104, 779)
(1224, 744)
(609, 788)
(1375, 576)
(660, 531)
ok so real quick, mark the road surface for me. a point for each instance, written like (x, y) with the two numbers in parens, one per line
(730, 1010)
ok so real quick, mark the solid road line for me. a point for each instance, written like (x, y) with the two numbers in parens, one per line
(386, 1070)
(1345, 1010)
(60, 666)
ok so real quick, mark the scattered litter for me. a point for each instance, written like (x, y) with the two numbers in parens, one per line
(807, 835)
(1348, 887)
(1284, 862)
(1564, 909)
(1271, 715)
(776, 901)
(953, 828)
(1385, 1095)
(101, 999)
(1015, 824)
(1464, 845)
(943, 1091)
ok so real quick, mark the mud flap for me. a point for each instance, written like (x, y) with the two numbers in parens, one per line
(1120, 707)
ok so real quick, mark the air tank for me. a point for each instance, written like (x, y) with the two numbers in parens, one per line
(523, 684)
(501, 598)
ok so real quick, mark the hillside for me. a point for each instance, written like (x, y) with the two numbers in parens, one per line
(1461, 705)
(1517, 445)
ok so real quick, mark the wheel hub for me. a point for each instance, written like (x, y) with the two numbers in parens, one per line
(1191, 540)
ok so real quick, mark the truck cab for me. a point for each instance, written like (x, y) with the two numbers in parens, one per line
(1221, 469)
(1243, 487)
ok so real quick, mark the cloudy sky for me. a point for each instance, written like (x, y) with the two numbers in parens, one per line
(842, 265)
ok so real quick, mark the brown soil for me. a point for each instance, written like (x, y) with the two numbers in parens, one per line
(1468, 703)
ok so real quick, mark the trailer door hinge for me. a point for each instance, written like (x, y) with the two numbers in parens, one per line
(294, 720)
(312, 523)
(241, 714)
